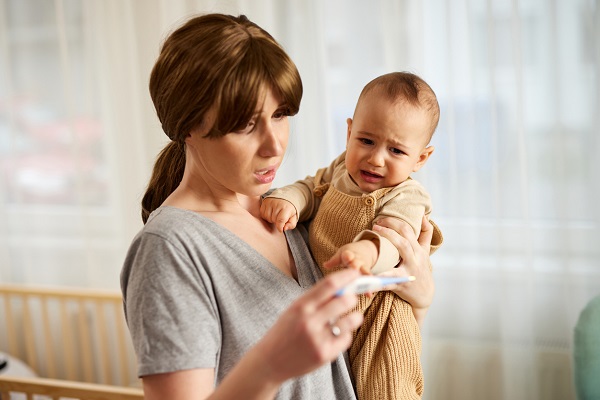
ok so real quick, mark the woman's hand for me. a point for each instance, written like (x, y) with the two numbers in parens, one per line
(414, 255)
(313, 331)
(304, 332)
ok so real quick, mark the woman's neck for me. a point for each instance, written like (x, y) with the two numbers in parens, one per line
(205, 198)
(250, 204)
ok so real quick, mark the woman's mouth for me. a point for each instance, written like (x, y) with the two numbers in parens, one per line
(266, 175)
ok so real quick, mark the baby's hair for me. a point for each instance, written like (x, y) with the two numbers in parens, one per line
(406, 87)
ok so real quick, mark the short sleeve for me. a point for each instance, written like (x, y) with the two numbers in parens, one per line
(170, 309)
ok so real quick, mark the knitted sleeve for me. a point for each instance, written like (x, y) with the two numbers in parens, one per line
(387, 254)
(408, 201)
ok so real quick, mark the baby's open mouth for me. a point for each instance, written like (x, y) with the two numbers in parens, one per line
(371, 174)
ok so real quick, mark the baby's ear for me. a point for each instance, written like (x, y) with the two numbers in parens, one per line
(423, 157)
(349, 130)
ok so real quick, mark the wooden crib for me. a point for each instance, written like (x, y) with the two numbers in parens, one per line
(75, 340)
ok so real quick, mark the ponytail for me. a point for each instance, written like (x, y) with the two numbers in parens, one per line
(166, 176)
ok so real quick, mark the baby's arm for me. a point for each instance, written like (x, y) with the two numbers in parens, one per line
(408, 203)
(359, 255)
(301, 194)
(280, 212)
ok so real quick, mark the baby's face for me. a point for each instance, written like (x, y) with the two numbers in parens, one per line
(386, 142)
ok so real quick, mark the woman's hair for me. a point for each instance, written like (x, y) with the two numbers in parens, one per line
(218, 63)
(409, 88)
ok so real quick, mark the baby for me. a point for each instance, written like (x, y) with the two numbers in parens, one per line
(387, 140)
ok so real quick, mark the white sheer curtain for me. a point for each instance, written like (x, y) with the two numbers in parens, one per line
(514, 178)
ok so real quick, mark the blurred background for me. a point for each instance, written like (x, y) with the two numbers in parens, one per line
(515, 177)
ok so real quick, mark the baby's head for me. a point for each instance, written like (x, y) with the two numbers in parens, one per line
(388, 137)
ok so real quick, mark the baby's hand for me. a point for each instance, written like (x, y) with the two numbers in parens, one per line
(360, 255)
(280, 212)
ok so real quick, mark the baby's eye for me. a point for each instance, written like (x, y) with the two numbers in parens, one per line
(366, 141)
(396, 151)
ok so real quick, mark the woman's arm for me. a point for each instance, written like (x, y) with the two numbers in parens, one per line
(415, 261)
(188, 384)
(246, 381)
(303, 333)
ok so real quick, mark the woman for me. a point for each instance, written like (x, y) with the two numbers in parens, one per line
(217, 300)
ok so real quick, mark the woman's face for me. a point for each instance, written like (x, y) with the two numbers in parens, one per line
(245, 161)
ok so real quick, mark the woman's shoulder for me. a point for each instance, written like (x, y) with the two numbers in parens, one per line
(166, 213)
(168, 218)
(176, 226)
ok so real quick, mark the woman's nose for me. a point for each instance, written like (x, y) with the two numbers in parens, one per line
(273, 141)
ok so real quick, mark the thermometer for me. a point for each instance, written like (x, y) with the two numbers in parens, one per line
(369, 283)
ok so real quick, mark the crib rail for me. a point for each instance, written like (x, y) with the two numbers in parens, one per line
(58, 389)
(65, 333)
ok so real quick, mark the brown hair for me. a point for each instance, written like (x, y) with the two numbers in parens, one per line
(212, 62)
(408, 87)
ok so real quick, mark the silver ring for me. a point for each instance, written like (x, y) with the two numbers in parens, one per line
(335, 330)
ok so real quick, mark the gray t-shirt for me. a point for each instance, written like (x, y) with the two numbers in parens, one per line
(197, 296)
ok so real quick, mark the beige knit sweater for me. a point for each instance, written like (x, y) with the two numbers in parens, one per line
(385, 352)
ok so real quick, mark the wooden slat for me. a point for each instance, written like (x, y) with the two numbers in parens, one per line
(103, 344)
(84, 341)
(10, 325)
(67, 335)
(31, 356)
(50, 358)
(60, 388)
(60, 292)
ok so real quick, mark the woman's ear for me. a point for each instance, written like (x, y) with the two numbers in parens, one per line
(423, 157)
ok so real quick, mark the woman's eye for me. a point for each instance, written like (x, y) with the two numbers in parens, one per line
(248, 128)
(280, 114)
